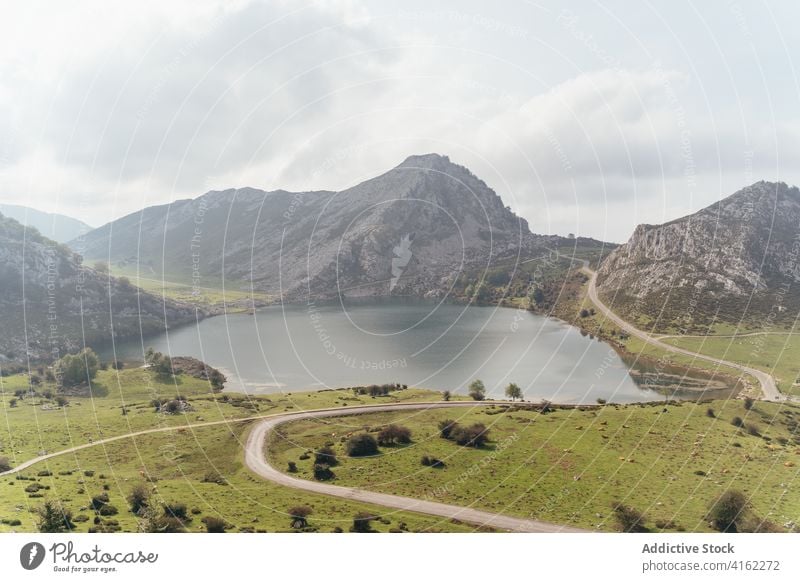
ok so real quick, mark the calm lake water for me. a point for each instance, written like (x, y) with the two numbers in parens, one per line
(439, 346)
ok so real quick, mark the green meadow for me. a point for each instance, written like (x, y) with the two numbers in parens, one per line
(570, 466)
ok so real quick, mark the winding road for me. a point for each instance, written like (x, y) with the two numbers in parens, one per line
(256, 461)
(768, 387)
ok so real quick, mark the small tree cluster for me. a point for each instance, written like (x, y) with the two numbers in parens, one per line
(378, 389)
(158, 362)
(394, 434)
(76, 369)
(475, 435)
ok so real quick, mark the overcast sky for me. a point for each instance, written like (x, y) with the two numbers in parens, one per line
(589, 118)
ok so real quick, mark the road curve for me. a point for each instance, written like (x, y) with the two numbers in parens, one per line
(768, 387)
(256, 461)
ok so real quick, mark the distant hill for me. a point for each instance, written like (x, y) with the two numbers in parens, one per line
(56, 227)
(738, 259)
(409, 231)
(50, 303)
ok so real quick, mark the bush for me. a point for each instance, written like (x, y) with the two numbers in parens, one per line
(299, 515)
(12, 403)
(107, 510)
(5, 464)
(117, 365)
(629, 519)
(737, 422)
(62, 401)
(214, 524)
(748, 403)
(325, 456)
(446, 395)
(602, 401)
(394, 434)
(475, 435)
(710, 413)
(176, 510)
(752, 429)
(362, 445)
(362, 522)
(446, 427)
(292, 467)
(728, 511)
(99, 501)
(214, 477)
(138, 498)
(432, 462)
(322, 472)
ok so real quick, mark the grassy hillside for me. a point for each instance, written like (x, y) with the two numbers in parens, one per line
(175, 465)
(569, 466)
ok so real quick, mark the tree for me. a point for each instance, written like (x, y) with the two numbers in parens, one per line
(629, 519)
(362, 445)
(5, 464)
(138, 498)
(54, 518)
(446, 395)
(513, 391)
(477, 390)
(77, 369)
(394, 434)
(728, 511)
(299, 516)
(748, 403)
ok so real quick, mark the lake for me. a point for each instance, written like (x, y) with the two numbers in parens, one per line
(432, 345)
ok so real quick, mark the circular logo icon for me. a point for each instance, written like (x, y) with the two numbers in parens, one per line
(31, 555)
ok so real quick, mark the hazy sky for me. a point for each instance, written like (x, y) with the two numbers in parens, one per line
(589, 117)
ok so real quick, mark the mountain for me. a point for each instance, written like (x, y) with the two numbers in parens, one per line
(736, 260)
(56, 227)
(411, 230)
(50, 303)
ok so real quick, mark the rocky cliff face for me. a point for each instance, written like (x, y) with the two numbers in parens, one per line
(411, 230)
(737, 259)
(50, 303)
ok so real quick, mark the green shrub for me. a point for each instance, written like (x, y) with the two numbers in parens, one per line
(326, 456)
(362, 445)
(628, 519)
(394, 434)
(727, 513)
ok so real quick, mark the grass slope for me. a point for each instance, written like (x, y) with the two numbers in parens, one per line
(569, 466)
